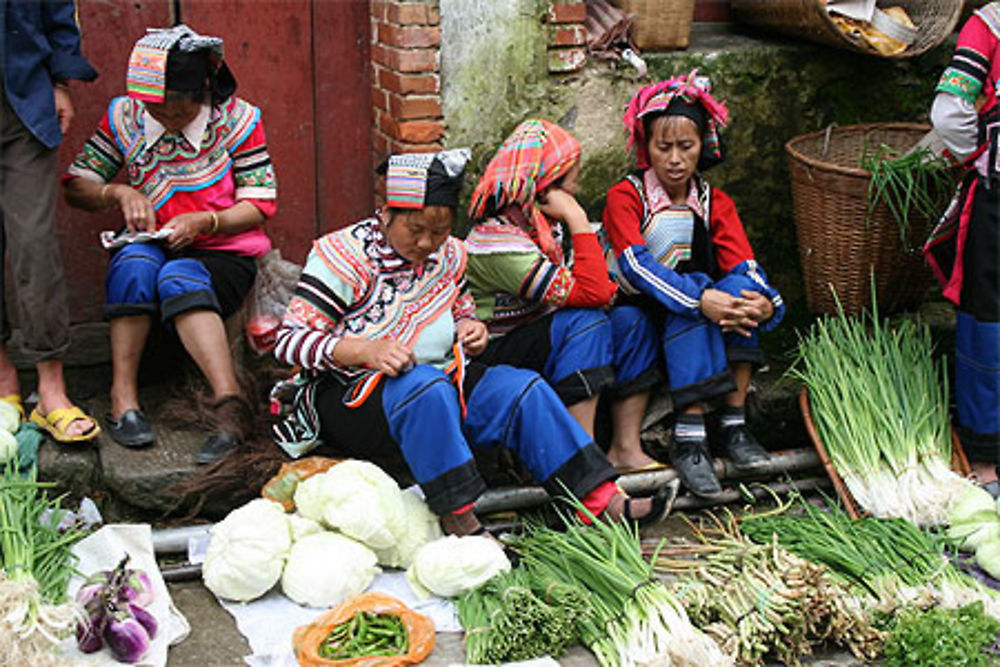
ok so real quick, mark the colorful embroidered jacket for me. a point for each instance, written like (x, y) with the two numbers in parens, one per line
(513, 282)
(355, 285)
(648, 244)
(231, 164)
(967, 101)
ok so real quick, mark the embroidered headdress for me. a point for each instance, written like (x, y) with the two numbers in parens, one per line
(687, 96)
(154, 66)
(534, 156)
(416, 180)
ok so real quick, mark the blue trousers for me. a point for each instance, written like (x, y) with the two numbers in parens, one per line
(697, 353)
(584, 351)
(418, 416)
(141, 281)
(977, 386)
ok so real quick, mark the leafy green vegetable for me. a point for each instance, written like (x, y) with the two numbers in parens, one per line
(942, 638)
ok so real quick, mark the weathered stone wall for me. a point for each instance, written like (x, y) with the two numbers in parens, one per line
(494, 74)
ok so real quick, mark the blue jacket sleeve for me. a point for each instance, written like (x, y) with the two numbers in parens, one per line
(63, 35)
(749, 275)
(680, 293)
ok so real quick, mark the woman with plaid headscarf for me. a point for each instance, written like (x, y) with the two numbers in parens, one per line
(548, 310)
(680, 252)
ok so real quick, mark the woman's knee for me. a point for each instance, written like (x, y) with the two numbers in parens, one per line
(185, 285)
(132, 275)
(421, 385)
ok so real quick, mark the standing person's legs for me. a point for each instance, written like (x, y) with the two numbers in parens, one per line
(977, 339)
(28, 201)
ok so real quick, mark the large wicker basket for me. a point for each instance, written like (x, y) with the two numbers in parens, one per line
(839, 246)
(809, 19)
(660, 24)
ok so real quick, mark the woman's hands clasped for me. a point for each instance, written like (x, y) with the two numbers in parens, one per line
(737, 314)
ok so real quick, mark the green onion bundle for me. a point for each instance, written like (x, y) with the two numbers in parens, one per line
(915, 183)
(636, 619)
(518, 616)
(890, 561)
(880, 406)
(761, 599)
(36, 568)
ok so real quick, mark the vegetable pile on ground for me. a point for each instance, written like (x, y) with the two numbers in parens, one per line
(635, 619)
(519, 616)
(115, 603)
(953, 637)
(36, 568)
(888, 563)
(880, 405)
(760, 599)
(350, 518)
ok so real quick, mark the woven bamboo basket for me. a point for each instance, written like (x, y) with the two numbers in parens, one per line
(839, 247)
(959, 462)
(809, 19)
(660, 24)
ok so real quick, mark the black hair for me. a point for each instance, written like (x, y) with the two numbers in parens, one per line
(198, 75)
(707, 159)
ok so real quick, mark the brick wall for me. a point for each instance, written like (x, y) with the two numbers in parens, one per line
(406, 81)
(567, 48)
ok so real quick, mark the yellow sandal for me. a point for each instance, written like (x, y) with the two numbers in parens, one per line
(15, 400)
(59, 419)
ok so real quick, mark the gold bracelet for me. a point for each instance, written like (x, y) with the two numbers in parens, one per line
(215, 223)
(104, 195)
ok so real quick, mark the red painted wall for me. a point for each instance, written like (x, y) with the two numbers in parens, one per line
(305, 63)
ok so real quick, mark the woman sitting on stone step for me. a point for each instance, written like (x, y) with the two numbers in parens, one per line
(198, 171)
(382, 322)
(679, 251)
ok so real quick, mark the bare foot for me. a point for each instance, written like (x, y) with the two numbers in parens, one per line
(984, 471)
(77, 426)
(630, 459)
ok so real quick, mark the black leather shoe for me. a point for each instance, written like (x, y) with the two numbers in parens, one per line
(132, 429)
(216, 447)
(694, 467)
(742, 448)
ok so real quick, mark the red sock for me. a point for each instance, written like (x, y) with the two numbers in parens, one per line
(597, 500)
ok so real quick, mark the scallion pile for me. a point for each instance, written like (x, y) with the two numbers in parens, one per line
(915, 183)
(889, 561)
(636, 619)
(36, 567)
(880, 406)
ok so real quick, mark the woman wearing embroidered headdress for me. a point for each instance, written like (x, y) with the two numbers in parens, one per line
(381, 322)
(681, 252)
(964, 250)
(546, 310)
(196, 165)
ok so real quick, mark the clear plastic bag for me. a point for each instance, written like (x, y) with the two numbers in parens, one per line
(266, 303)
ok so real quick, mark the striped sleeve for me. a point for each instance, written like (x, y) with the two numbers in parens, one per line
(253, 172)
(101, 158)
(308, 333)
(969, 67)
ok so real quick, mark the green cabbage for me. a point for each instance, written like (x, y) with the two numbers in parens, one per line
(247, 551)
(420, 526)
(975, 529)
(974, 499)
(988, 556)
(324, 569)
(452, 565)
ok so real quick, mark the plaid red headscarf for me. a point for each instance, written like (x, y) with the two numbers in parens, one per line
(657, 97)
(532, 158)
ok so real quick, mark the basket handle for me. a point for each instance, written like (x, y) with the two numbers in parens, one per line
(826, 138)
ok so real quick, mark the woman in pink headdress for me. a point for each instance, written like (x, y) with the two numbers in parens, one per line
(680, 251)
